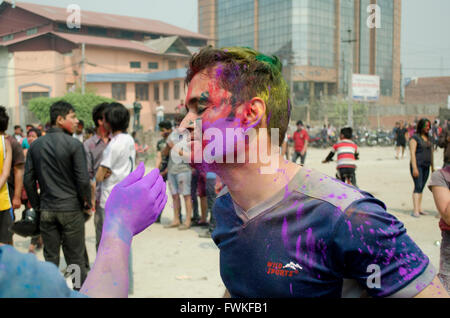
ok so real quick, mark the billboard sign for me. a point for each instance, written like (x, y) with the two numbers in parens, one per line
(365, 87)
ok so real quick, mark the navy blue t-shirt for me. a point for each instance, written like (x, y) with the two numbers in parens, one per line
(318, 237)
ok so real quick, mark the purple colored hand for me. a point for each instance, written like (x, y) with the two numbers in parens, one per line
(135, 203)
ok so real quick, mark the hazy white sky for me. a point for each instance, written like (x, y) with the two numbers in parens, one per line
(425, 39)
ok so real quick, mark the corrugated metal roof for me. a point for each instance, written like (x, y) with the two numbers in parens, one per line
(108, 42)
(110, 20)
(90, 40)
(136, 77)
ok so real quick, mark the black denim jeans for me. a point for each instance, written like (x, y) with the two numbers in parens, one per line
(65, 229)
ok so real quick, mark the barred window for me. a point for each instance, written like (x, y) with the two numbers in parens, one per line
(119, 91)
(141, 91)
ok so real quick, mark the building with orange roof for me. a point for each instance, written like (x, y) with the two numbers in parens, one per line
(125, 58)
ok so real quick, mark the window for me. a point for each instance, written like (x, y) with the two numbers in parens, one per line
(176, 90)
(166, 91)
(156, 92)
(172, 65)
(32, 31)
(126, 35)
(27, 96)
(153, 65)
(8, 37)
(119, 91)
(135, 64)
(97, 31)
(141, 91)
(62, 27)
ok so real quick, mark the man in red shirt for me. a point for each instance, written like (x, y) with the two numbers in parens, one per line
(300, 138)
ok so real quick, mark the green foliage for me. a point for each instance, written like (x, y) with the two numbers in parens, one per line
(83, 105)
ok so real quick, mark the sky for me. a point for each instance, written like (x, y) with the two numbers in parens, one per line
(425, 42)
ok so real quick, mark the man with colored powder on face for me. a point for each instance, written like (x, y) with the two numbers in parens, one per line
(57, 162)
(294, 232)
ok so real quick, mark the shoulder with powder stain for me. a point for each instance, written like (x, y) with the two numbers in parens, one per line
(325, 188)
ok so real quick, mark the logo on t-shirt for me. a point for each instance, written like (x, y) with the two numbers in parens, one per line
(279, 269)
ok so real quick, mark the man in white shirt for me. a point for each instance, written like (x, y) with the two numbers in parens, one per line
(118, 159)
(159, 113)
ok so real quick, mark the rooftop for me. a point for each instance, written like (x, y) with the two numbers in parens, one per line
(107, 20)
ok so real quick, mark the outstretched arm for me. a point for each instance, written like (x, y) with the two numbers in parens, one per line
(134, 204)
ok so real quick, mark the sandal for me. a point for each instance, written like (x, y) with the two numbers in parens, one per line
(415, 216)
(423, 213)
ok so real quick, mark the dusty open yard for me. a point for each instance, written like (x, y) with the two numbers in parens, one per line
(172, 263)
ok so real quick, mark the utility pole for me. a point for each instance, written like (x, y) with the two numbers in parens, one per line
(83, 79)
(349, 78)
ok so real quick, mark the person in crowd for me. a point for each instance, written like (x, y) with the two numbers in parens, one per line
(28, 127)
(94, 148)
(78, 134)
(36, 241)
(198, 191)
(6, 211)
(347, 154)
(301, 139)
(57, 162)
(421, 149)
(180, 107)
(119, 156)
(160, 109)
(435, 132)
(444, 142)
(88, 133)
(324, 135)
(327, 235)
(18, 133)
(41, 128)
(411, 129)
(163, 152)
(179, 177)
(213, 187)
(15, 180)
(401, 136)
(141, 150)
(137, 107)
(440, 187)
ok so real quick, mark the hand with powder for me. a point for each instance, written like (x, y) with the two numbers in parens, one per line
(133, 205)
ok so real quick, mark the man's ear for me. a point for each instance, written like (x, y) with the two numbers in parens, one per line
(254, 113)
(59, 120)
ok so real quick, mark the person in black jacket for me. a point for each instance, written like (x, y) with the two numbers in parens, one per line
(57, 161)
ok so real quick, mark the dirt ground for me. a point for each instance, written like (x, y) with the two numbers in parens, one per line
(171, 264)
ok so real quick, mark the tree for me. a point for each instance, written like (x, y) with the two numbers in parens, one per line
(83, 105)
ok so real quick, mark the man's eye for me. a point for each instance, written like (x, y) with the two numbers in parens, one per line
(201, 109)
